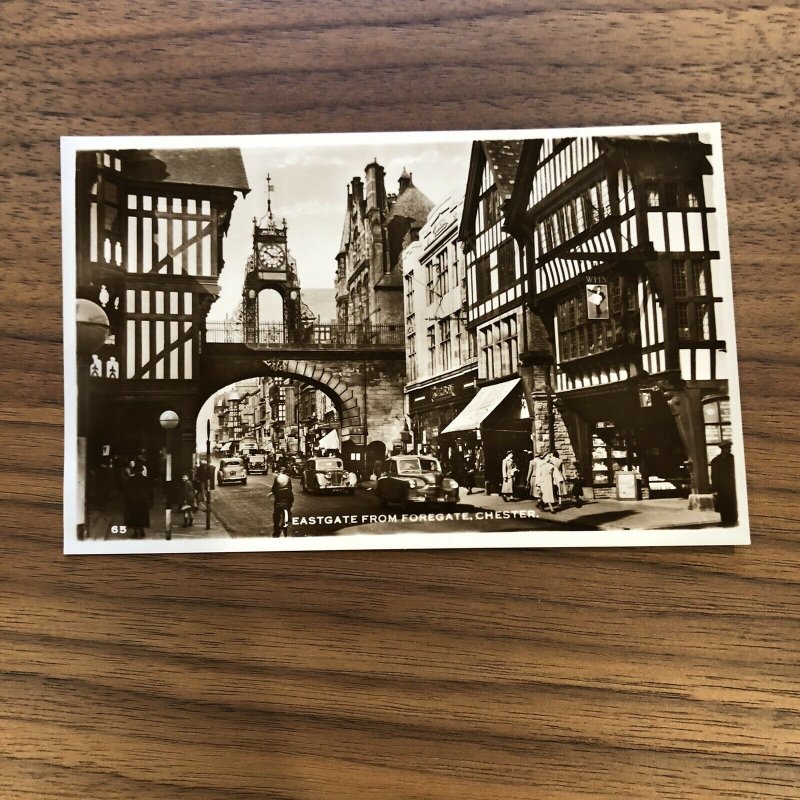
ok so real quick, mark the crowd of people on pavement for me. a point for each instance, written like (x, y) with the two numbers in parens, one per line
(544, 480)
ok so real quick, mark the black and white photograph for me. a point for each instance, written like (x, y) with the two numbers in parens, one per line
(407, 340)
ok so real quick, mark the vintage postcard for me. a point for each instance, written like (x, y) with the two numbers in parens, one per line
(411, 340)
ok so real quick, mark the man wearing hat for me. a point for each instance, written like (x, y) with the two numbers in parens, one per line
(723, 484)
(284, 500)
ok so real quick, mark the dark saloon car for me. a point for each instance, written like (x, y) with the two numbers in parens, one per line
(327, 474)
(414, 479)
(255, 460)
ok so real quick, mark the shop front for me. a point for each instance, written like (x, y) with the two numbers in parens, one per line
(494, 422)
(637, 427)
(432, 408)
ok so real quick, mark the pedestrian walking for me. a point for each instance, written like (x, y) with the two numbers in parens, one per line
(284, 500)
(129, 471)
(203, 481)
(469, 472)
(559, 480)
(138, 499)
(509, 471)
(544, 480)
(723, 484)
(188, 500)
(532, 478)
(577, 487)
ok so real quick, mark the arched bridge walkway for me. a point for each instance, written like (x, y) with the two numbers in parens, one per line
(361, 368)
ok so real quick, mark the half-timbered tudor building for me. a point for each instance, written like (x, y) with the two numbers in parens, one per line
(623, 269)
(506, 334)
(149, 231)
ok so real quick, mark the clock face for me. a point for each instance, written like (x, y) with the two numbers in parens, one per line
(271, 256)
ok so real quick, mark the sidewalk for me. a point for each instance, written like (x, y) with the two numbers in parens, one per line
(670, 512)
(105, 523)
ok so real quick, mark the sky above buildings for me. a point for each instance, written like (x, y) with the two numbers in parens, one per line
(310, 191)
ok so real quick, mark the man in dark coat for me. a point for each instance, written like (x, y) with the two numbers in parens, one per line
(138, 499)
(284, 500)
(723, 484)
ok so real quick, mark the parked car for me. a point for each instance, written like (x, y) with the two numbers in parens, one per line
(231, 470)
(255, 460)
(327, 474)
(414, 479)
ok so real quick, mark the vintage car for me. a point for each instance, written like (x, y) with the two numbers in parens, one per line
(255, 460)
(414, 479)
(327, 474)
(295, 465)
(231, 470)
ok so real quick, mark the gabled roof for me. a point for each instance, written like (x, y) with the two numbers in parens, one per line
(411, 203)
(518, 202)
(684, 150)
(217, 167)
(345, 232)
(502, 156)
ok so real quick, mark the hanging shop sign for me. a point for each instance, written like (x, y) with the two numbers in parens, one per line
(597, 301)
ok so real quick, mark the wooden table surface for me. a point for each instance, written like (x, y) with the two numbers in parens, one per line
(517, 674)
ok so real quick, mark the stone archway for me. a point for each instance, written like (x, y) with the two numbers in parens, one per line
(365, 385)
(334, 384)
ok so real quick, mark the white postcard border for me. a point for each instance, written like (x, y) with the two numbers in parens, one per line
(707, 536)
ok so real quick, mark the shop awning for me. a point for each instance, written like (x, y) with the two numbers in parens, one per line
(330, 441)
(481, 406)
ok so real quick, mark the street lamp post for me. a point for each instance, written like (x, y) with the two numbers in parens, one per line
(92, 332)
(169, 421)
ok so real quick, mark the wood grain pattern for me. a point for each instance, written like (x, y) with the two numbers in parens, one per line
(515, 675)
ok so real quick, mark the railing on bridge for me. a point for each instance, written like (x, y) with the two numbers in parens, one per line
(313, 335)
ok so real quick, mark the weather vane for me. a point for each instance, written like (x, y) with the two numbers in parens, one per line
(268, 215)
(270, 188)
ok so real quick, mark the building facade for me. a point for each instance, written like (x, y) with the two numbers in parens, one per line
(508, 340)
(317, 417)
(236, 413)
(623, 271)
(369, 292)
(149, 233)
(441, 362)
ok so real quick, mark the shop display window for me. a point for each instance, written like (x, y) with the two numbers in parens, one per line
(717, 424)
(609, 453)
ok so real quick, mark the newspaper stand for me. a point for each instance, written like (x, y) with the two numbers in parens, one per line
(629, 485)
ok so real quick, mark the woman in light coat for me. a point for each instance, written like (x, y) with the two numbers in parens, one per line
(509, 470)
(544, 480)
(533, 478)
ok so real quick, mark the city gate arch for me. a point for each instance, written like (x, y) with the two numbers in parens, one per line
(342, 381)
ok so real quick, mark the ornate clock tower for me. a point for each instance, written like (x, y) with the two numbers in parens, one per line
(271, 267)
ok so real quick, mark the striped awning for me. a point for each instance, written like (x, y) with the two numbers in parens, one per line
(481, 406)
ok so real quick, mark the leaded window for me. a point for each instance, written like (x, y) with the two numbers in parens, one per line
(694, 304)
(578, 336)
